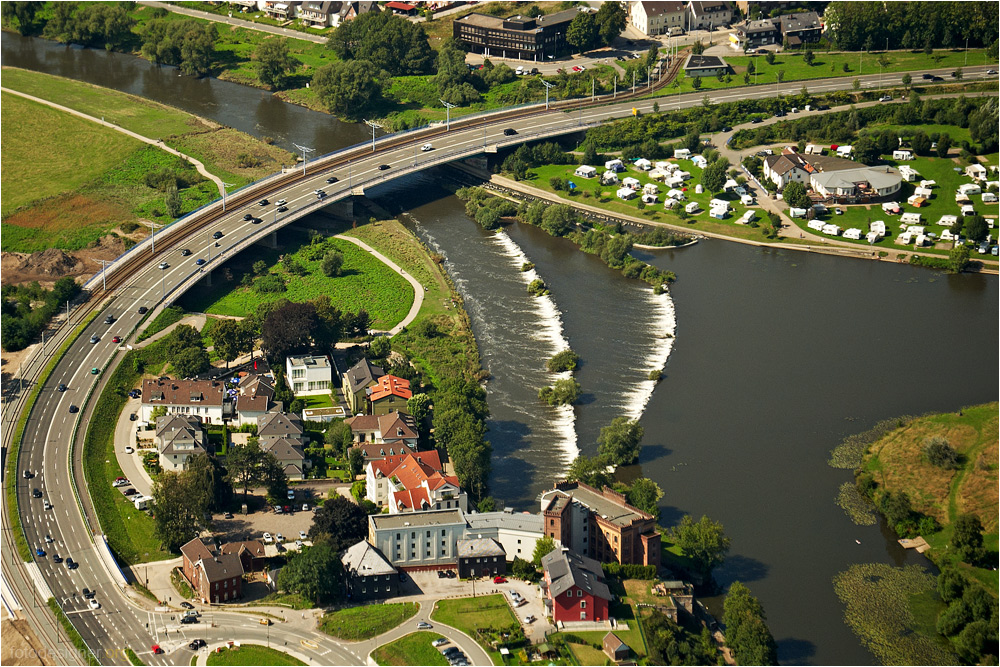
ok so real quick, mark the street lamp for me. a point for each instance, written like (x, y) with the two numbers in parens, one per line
(373, 124)
(448, 106)
(548, 86)
(152, 226)
(224, 186)
(305, 152)
(104, 272)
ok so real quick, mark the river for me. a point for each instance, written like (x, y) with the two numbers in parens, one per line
(777, 356)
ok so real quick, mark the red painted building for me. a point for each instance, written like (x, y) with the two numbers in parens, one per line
(574, 587)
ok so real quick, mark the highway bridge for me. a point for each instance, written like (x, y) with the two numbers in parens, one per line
(52, 443)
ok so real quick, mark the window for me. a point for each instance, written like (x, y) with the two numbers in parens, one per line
(443, 533)
(552, 522)
(569, 594)
(583, 616)
(583, 604)
(428, 533)
(579, 593)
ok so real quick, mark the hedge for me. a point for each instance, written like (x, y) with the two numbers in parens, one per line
(629, 571)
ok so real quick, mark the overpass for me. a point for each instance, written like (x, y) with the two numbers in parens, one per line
(52, 443)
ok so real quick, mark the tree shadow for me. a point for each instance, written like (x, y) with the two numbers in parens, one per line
(585, 399)
(792, 651)
(744, 568)
(513, 475)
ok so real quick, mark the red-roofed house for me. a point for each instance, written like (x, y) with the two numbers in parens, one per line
(390, 394)
(442, 491)
(378, 472)
(401, 8)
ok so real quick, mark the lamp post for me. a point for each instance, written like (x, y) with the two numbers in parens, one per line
(593, 88)
(373, 124)
(104, 272)
(224, 186)
(305, 152)
(548, 86)
(448, 107)
(152, 236)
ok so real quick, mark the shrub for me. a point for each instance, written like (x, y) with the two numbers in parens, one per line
(269, 284)
(563, 392)
(941, 454)
(563, 361)
(537, 287)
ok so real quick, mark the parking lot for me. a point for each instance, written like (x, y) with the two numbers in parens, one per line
(255, 524)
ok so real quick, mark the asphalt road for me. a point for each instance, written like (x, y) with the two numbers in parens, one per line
(45, 450)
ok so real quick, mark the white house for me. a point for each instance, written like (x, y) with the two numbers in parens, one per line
(630, 182)
(708, 14)
(904, 239)
(662, 164)
(418, 538)
(609, 178)
(658, 18)
(747, 200)
(682, 153)
(201, 398)
(910, 219)
(946, 235)
(585, 171)
(921, 240)
(783, 169)
(691, 207)
(901, 154)
(517, 532)
(852, 233)
(643, 164)
(908, 173)
(670, 203)
(178, 438)
(976, 171)
(683, 175)
(730, 185)
(890, 207)
(614, 165)
(719, 213)
(309, 375)
(813, 149)
(877, 227)
(719, 203)
(625, 193)
(871, 237)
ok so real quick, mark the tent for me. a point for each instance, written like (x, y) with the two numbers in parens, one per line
(585, 171)
(644, 164)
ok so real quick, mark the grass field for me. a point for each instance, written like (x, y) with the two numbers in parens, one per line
(413, 649)
(365, 283)
(357, 623)
(252, 654)
(470, 614)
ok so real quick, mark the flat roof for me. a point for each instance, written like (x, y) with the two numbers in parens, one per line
(417, 519)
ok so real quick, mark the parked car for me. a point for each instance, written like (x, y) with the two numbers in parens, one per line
(424, 625)
(133, 417)
(279, 537)
(530, 618)
(302, 535)
(439, 642)
(228, 515)
(291, 494)
(186, 605)
(130, 450)
(499, 580)
(267, 538)
(130, 492)
(120, 481)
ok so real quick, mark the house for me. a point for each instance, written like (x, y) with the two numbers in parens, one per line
(816, 224)
(904, 239)
(976, 171)
(718, 213)
(748, 217)
(368, 574)
(214, 577)
(871, 237)
(658, 174)
(926, 193)
(402, 8)
(517, 532)
(600, 524)
(891, 208)
(389, 394)
(281, 11)
(355, 383)
(480, 557)
(585, 171)
(418, 539)
(574, 587)
(785, 168)
(968, 210)
(946, 235)
(378, 471)
(674, 193)
(682, 153)
(708, 14)
(643, 164)
(657, 18)
(908, 173)
(254, 397)
(625, 193)
(753, 34)
(704, 66)
(318, 14)
(683, 175)
(794, 212)
(630, 182)
(342, 12)
(415, 486)
(250, 553)
(730, 185)
(614, 165)
(309, 375)
(522, 37)
(275, 426)
(609, 178)
(669, 203)
(801, 28)
(178, 438)
(205, 399)
(323, 414)
(615, 648)
(857, 185)
(903, 154)
(928, 184)
(719, 203)
(291, 456)
(916, 200)
(392, 430)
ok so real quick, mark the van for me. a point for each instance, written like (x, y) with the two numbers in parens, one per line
(191, 612)
(676, 30)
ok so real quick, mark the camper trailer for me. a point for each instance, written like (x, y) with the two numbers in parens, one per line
(643, 164)
(614, 165)
(649, 198)
(748, 217)
(625, 193)
(852, 233)
(630, 182)
(691, 207)
(585, 171)
(682, 153)
(796, 212)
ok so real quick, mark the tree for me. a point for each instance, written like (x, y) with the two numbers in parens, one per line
(698, 48)
(704, 542)
(714, 176)
(180, 508)
(809, 57)
(243, 467)
(920, 143)
(906, 80)
(272, 476)
(349, 87)
(419, 406)
(339, 522)
(339, 436)
(781, 75)
(944, 144)
(958, 74)
(795, 194)
(206, 476)
(274, 63)
(866, 149)
(645, 494)
(558, 219)
(544, 546)
(619, 441)
(230, 339)
(565, 391)
(611, 19)
(23, 13)
(747, 633)
(941, 454)
(288, 329)
(973, 640)
(172, 201)
(191, 361)
(522, 569)
(315, 574)
(487, 504)
(975, 227)
(958, 258)
(333, 263)
(769, 57)
(696, 83)
(582, 33)
(591, 471)
(386, 41)
(967, 538)
(356, 460)
(563, 361)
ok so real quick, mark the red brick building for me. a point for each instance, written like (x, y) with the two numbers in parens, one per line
(600, 524)
(574, 587)
(214, 577)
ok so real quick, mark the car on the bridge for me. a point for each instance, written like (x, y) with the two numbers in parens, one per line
(27, 474)
(40, 553)
(143, 310)
(509, 132)
(185, 252)
(56, 558)
(282, 209)
(87, 593)
(383, 167)
(199, 261)
(427, 147)
(164, 265)
(94, 604)
(95, 370)
(255, 221)
(73, 409)
(217, 235)
(35, 493)
(332, 179)
(248, 217)
(48, 539)
(280, 202)
(110, 319)
(71, 564)
(116, 339)
(263, 202)
(320, 194)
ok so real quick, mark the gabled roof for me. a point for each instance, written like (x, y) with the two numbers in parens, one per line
(411, 499)
(365, 560)
(699, 7)
(800, 21)
(566, 569)
(255, 394)
(397, 426)
(182, 392)
(253, 547)
(657, 8)
(195, 550)
(614, 642)
(223, 566)
(481, 546)
(386, 465)
(279, 425)
(285, 449)
(378, 451)
(411, 474)
(361, 374)
(390, 385)
(174, 430)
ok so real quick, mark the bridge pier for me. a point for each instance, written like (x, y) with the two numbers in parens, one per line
(208, 278)
(271, 240)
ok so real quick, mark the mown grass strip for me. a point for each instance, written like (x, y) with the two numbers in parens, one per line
(133, 658)
(85, 653)
(23, 550)
(357, 623)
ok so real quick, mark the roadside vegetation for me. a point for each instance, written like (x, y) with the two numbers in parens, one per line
(487, 619)
(252, 654)
(358, 623)
(412, 649)
(27, 310)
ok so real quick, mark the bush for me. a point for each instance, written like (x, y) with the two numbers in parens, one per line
(269, 284)
(941, 454)
(563, 392)
(630, 571)
(333, 263)
(537, 287)
(563, 361)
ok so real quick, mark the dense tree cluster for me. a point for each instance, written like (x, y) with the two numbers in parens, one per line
(188, 44)
(274, 62)
(186, 351)
(184, 499)
(349, 87)
(27, 309)
(620, 440)
(385, 42)
(565, 391)
(21, 15)
(459, 419)
(970, 619)
(704, 541)
(339, 523)
(96, 24)
(671, 644)
(286, 327)
(747, 634)
(867, 24)
(315, 573)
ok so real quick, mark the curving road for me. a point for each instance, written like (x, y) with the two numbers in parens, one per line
(52, 430)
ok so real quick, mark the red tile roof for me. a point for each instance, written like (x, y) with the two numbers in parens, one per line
(412, 473)
(390, 384)
(411, 499)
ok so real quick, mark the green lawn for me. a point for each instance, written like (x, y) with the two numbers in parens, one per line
(364, 283)
(252, 654)
(413, 649)
(318, 401)
(472, 614)
(357, 623)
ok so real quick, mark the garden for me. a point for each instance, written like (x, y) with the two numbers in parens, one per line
(486, 618)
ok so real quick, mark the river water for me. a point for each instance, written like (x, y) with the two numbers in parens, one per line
(776, 357)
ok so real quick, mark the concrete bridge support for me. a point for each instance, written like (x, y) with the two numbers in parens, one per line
(208, 278)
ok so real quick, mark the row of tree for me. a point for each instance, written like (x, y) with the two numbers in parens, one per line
(870, 25)
(27, 310)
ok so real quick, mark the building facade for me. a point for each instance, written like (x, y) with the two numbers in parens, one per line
(309, 375)
(368, 574)
(574, 588)
(201, 398)
(418, 540)
(356, 382)
(520, 37)
(709, 14)
(658, 17)
(752, 34)
(178, 438)
(480, 557)
(517, 532)
(214, 577)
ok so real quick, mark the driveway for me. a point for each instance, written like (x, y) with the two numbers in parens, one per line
(131, 464)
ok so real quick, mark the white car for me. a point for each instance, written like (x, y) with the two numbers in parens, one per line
(302, 535)
(427, 147)
(439, 642)
(94, 604)
(530, 618)
(164, 265)
(130, 450)
(268, 539)
(279, 537)
(280, 202)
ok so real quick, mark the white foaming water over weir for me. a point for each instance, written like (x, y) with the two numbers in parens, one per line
(550, 331)
(663, 327)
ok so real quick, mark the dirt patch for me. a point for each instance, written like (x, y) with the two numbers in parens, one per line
(20, 646)
(68, 212)
(49, 265)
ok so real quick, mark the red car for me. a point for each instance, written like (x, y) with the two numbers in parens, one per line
(116, 339)
(499, 580)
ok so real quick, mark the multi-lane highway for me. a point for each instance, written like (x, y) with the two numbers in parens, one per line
(49, 438)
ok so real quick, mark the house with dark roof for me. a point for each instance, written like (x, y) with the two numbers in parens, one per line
(480, 557)
(787, 167)
(531, 38)
(356, 381)
(389, 394)
(178, 438)
(704, 66)
(615, 648)
(373, 451)
(254, 397)
(394, 428)
(368, 573)
(658, 17)
(801, 28)
(214, 577)
(250, 552)
(708, 14)
(291, 456)
(574, 587)
(277, 425)
(751, 34)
